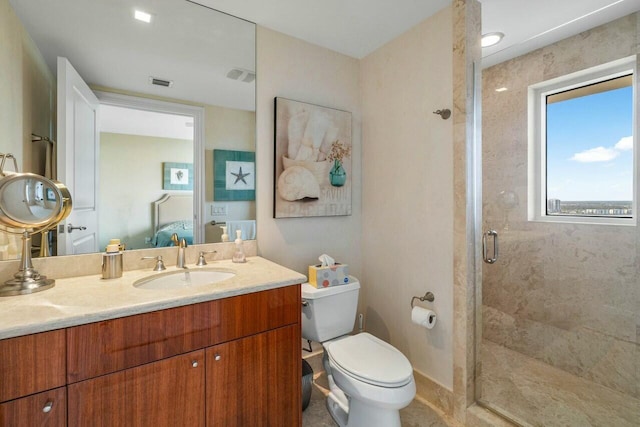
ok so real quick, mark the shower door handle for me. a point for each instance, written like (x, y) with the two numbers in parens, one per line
(485, 250)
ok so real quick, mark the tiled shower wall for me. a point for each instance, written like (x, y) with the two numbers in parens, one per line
(565, 294)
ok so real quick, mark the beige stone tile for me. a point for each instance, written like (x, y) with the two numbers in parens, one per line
(545, 396)
(598, 46)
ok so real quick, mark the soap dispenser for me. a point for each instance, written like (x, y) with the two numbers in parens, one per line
(239, 255)
(112, 262)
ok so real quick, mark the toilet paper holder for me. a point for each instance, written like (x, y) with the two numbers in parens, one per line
(427, 297)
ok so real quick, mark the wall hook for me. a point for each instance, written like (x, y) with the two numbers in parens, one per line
(445, 114)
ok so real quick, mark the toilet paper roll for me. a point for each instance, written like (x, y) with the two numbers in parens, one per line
(423, 317)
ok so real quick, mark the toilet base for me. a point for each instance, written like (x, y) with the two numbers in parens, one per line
(349, 412)
(361, 415)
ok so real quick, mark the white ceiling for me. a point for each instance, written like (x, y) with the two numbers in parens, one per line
(353, 27)
(191, 45)
(531, 24)
(358, 27)
(130, 121)
(196, 47)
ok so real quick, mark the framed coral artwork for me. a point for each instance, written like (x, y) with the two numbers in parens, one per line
(312, 170)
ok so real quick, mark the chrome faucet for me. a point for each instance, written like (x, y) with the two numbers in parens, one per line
(181, 245)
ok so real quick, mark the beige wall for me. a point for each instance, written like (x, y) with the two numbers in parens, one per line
(294, 69)
(565, 294)
(227, 129)
(27, 94)
(407, 199)
(131, 178)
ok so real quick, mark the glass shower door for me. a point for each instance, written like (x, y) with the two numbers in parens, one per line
(560, 309)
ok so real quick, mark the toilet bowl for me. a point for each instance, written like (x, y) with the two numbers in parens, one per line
(369, 379)
(376, 378)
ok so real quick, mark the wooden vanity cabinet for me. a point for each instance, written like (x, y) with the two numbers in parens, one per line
(228, 362)
(32, 379)
(46, 409)
(169, 392)
(249, 381)
(32, 363)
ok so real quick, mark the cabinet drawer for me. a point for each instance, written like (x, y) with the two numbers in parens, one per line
(103, 347)
(43, 409)
(32, 363)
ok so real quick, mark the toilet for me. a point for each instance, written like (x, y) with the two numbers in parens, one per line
(369, 379)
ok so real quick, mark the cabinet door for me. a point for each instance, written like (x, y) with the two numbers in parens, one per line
(32, 363)
(255, 381)
(165, 393)
(47, 409)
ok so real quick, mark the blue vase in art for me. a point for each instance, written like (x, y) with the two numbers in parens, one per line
(337, 175)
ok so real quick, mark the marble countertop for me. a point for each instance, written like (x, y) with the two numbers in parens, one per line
(86, 299)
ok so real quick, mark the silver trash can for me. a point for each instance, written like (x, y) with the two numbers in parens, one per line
(307, 383)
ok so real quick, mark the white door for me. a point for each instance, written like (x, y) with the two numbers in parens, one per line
(78, 150)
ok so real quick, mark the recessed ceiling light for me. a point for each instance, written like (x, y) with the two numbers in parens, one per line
(501, 89)
(491, 39)
(142, 16)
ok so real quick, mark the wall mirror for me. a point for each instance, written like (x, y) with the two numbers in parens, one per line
(160, 99)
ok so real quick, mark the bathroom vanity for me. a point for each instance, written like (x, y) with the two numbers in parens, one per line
(216, 355)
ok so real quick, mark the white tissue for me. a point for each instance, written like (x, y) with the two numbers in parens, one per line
(423, 317)
(326, 260)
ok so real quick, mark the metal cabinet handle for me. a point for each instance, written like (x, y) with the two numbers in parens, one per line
(194, 363)
(47, 407)
(485, 250)
(217, 357)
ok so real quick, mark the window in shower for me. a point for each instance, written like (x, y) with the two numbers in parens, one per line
(582, 144)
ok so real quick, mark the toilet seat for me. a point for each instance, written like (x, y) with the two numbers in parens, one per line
(370, 360)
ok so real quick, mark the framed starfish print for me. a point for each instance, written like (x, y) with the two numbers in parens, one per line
(234, 175)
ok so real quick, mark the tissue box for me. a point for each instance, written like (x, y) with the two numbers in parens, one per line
(331, 275)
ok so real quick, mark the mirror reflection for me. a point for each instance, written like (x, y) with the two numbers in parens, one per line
(163, 97)
(26, 199)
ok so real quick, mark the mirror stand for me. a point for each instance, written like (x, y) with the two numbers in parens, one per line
(27, 280)
(32, 204)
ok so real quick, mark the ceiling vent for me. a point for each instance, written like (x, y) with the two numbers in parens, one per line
(160, 82)
(241, 75)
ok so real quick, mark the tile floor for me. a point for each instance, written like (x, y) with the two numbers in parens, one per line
(416, 414)
(538, 394)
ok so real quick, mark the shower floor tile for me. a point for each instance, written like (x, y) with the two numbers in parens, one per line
(536, 394)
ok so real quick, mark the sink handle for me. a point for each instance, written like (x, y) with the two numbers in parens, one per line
(201, 257)
(159, 263)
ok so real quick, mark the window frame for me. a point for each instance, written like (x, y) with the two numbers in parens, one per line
(537, 175)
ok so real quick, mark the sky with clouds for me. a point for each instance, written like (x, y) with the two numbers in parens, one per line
(590, 147)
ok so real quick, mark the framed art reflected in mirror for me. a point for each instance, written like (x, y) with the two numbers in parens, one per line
(177, 176)
(234, 175)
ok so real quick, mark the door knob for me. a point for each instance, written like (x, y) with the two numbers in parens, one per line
(71, 227)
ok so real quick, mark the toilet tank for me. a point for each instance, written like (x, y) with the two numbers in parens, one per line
(328, 313)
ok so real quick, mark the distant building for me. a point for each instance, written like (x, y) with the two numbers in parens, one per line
(553, 206)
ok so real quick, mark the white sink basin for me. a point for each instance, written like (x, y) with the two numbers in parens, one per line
(183, 279)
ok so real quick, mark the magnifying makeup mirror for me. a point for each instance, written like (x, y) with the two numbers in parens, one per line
(30, 203)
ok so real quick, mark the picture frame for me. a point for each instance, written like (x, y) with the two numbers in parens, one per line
(234, 175)
(177, 176)
(312, 160)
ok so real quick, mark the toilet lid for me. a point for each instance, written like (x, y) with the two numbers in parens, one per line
(370, 360)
